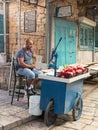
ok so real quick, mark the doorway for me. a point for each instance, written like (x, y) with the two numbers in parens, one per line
(67, 48)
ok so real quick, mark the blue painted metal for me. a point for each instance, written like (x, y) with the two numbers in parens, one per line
(67, 48)
(73, 90)
(63, 94)
(1, 32)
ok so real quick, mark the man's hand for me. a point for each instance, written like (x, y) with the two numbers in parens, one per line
(32, 66)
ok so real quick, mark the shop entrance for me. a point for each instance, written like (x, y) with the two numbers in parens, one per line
(67, 48)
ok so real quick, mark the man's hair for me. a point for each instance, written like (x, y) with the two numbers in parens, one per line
(28, 40)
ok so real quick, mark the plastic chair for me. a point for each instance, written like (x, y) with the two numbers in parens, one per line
(21, 79)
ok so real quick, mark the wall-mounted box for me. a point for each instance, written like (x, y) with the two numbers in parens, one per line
(30, 21)
(64, 11)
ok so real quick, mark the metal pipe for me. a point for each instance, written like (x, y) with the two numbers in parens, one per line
(19, 22)
(4, 9)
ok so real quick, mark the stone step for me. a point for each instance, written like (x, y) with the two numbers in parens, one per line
(13, 115)
(9, 122)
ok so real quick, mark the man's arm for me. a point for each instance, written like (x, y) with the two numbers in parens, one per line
(24, 65)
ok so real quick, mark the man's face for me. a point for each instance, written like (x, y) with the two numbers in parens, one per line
(29, 45)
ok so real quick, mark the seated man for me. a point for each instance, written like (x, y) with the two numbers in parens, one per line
(25, 63)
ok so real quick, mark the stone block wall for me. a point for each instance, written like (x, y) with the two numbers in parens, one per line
(4, 76)
(38, 36)
(73, 4)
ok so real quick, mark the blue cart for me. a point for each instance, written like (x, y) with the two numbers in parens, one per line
(60, 95)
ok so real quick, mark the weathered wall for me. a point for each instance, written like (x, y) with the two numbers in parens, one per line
(38, 37)
(73, 18)
(73, 3)
(83, 57)
(4, 76)
(96, 56)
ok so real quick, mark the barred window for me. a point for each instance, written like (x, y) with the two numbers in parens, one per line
(86, 37)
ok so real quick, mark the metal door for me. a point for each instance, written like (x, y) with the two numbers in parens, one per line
(67, 48)
(1, 32)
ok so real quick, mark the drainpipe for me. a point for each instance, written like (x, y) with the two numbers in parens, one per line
(4, 8)
(19, 22)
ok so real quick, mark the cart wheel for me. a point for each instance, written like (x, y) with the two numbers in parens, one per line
(77, 108)
(50, 116)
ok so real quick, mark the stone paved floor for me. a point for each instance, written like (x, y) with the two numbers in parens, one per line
(12, 115)
(17, 115)
(88, 120)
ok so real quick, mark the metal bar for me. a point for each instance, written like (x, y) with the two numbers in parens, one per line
(10, 76)
(4, 8)
(19, 22)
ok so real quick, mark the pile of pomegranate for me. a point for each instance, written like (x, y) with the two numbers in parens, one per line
(72, 71)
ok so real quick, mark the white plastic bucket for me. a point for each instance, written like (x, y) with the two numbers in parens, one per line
(2, 58)
(34, 105)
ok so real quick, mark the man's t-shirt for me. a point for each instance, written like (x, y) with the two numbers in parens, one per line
(27, 57)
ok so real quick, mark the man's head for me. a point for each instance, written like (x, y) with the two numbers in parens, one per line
(29, 43)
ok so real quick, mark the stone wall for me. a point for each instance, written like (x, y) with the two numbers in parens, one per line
(82, 56)
(38, 36)
(73, 4)
(4, 76)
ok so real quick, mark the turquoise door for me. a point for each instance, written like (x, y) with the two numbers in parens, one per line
(67, 48)
(1, 32)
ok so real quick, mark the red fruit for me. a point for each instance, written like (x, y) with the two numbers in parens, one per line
(80, 67)
(65, 70)
(62, 72)
(74, 73)
(74, 68)
(69, 74)
(79, 71)
(70, 69)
